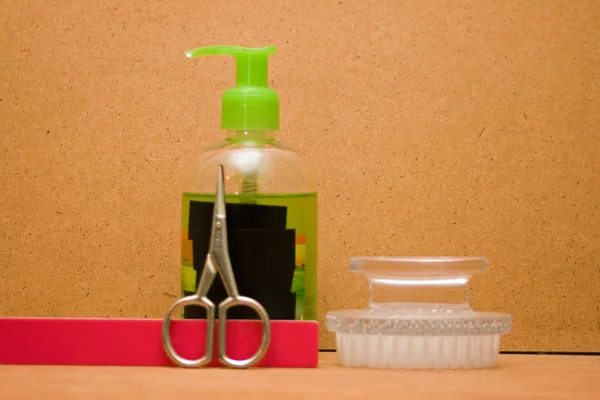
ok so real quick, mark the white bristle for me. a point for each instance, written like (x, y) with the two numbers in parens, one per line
(417, 352)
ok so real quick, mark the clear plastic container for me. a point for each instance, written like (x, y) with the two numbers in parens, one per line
(259, 169)
(269, 181)
(418, 316)
(254, 163)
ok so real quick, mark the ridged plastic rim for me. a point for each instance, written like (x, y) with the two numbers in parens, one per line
(388, 322)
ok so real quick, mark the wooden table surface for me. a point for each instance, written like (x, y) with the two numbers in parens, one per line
(528, 377)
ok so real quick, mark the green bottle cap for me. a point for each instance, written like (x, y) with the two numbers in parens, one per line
(250, 105)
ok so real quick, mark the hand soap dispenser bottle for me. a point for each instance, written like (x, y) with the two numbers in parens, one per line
(271, 200)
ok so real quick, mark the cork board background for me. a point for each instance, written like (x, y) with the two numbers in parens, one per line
(434, 128)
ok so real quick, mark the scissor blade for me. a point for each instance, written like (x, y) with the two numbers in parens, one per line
(218, 244)
(208, 276)
(219, 210)
(218, 237)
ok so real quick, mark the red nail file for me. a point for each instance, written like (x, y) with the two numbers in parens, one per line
(138, 342)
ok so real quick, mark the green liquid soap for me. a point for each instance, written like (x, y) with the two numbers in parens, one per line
(301, 216)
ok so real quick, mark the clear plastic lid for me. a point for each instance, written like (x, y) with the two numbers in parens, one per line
(425, 296)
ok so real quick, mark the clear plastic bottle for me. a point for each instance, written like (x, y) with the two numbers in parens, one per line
(259, 170)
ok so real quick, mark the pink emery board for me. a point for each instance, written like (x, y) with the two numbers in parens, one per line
(138, 342)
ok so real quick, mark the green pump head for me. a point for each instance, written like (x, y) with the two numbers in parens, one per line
(250, 105)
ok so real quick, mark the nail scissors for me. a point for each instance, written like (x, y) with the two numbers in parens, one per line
(217, 262)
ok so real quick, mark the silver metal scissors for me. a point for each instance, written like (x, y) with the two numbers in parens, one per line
(217, 262)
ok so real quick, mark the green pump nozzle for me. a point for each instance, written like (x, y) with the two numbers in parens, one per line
(251, 104)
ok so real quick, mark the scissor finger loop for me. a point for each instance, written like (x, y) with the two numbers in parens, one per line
(266, 328)
(173, 355)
